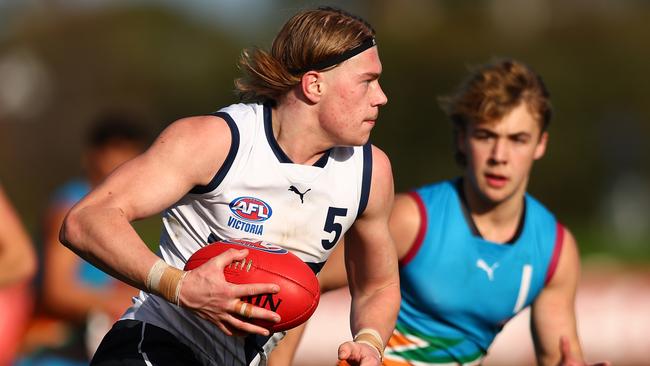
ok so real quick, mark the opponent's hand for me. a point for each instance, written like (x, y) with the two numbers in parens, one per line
(358, 354)
(206, 292)
(569, 360)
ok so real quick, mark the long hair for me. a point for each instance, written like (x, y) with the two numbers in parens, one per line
(491, 92)
(306, 39)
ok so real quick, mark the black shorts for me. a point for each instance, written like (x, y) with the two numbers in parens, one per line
(132, 342)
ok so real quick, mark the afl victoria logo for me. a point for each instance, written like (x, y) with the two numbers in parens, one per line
(251, 209)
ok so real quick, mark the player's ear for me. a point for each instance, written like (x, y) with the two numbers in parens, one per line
(312, 85)
(540, 149)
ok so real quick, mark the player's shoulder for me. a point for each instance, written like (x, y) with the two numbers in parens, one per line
(419, 198)
(380, 159)
(202, 132)
(539, 213)
(198, 145)
(436, 190)
(382, 174)
(242, 109)
(405, 203)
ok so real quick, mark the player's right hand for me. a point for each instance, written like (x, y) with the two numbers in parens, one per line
(206, 292)
(569, 360)
(358, 354)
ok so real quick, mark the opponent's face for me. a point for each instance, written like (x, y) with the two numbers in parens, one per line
(351, 99)
(500, 154)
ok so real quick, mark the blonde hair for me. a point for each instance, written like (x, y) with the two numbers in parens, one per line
(491, 92)
(306, 39)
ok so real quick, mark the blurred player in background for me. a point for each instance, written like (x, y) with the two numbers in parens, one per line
(76, 297)
(476, 250)
(17, 266)
(312, 102)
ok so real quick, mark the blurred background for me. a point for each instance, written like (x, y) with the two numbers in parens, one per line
(65, 62)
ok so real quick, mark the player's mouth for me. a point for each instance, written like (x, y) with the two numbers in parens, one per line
(369, 122)
(496, 180)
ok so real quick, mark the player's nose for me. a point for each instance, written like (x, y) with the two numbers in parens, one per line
(380, 97)
(498, 153)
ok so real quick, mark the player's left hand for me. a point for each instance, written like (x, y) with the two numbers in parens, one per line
(358, 354)
(568, 359)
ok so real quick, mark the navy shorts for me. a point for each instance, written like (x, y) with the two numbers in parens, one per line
(132, 342)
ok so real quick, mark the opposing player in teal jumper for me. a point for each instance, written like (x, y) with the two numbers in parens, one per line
(476, 250)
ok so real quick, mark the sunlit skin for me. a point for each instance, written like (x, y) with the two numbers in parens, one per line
(500, 155)
(343, 106)
(351, 107)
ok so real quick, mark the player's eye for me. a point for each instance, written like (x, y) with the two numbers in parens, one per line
(520, 139)
(482, 135)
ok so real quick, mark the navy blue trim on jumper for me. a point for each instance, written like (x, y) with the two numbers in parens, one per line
(277, 150)
(366, 178)
(230, 158)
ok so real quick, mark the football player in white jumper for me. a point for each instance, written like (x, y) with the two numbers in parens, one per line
(290, 165)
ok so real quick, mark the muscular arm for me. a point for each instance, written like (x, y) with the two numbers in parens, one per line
(17, 258)
(553, 312)
(371, 261)
(188, 153)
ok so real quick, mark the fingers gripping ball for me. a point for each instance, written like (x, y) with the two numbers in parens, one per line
(267, 263)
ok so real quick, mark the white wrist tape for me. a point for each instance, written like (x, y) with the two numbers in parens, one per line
(166, 281)
(372, 338)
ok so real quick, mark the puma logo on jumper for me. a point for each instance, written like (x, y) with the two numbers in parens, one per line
(489, 270)
(296, 191)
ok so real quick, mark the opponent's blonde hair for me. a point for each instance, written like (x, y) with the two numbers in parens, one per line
(491, 92)
(306, 39)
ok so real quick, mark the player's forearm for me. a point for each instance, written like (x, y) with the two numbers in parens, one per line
(104, 237)
(377, 310)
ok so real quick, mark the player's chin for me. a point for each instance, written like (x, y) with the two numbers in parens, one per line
(361, 138)
(496, 196)
(354, 141)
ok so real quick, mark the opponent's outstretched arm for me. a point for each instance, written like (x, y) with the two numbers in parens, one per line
(187, 153)
(371, 264)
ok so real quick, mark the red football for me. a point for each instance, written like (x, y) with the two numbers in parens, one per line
(268, 263)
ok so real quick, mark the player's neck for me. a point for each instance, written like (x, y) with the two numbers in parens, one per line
(496, 221)
(297, 131)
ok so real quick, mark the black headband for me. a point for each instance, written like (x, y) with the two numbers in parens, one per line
(337, 59)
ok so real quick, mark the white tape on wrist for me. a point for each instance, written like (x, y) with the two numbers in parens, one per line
(166, 281)
(372, 338)
(155, 274)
